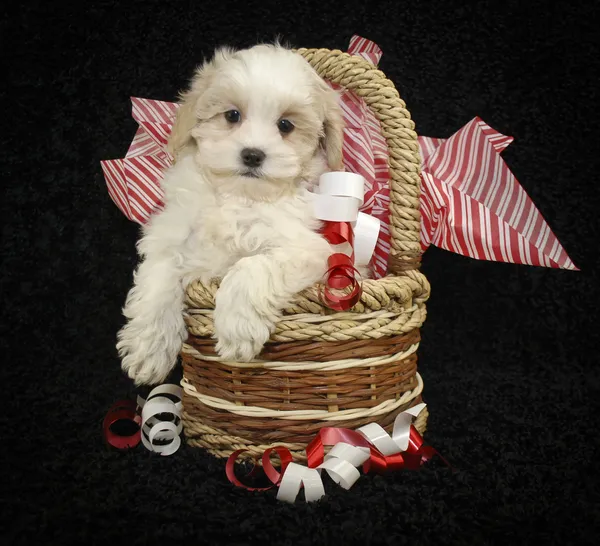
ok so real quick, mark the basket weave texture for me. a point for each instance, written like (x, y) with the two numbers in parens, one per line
(321, 367)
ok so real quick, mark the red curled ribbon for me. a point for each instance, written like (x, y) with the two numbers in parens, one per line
(341, 271)
(122, 410)
(285, 456)
(415, 456)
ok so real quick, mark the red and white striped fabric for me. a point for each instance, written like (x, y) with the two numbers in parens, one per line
(472, 204)
(134, 181)
(361, 47)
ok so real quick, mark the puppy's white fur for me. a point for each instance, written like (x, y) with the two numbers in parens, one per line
(258, 234)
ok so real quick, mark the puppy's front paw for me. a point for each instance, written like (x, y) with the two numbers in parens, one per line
(148, 355)
(240, 335)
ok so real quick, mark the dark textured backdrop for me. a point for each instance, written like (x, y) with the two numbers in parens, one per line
(509, 353)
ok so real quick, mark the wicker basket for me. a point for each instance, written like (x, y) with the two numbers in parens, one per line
(322, 368)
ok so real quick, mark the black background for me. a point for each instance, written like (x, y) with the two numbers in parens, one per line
(509, 353)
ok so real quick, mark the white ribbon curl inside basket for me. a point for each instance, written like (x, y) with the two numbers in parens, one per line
(338, 198)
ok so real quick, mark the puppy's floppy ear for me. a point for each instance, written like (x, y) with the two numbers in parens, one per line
(185, 120)
(333, 127)
(186, 116)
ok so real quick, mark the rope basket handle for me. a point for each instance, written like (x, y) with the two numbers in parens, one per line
(380, 94)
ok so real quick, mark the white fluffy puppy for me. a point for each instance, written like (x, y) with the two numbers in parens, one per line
(255, 130)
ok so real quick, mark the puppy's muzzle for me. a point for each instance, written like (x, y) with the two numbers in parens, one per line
(253, 157)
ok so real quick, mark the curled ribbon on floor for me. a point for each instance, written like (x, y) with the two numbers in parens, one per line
(156, 431)
(337, 201)
(370, 446)
(122, 411)
(155, 428)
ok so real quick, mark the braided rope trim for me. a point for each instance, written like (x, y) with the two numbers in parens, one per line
(200, 323)
(329, 366)
(220, 444)
(303, 415)
(389, 294)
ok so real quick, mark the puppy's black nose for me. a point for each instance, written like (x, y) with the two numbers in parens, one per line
(253, 157)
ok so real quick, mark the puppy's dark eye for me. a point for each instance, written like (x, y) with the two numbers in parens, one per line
(285, 126)
(233, 116)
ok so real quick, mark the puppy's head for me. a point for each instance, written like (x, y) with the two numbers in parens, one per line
(259, 121)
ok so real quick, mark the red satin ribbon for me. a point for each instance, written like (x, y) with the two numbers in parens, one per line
(329, 436)
(341, 271)
(338, 233)
(122, 410)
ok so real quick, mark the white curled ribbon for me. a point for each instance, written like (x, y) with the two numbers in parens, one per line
(398, 441)
(340, 463)
(297, 476)
(343, 460)
(155, 428)
(338, 198)
(366, 232)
